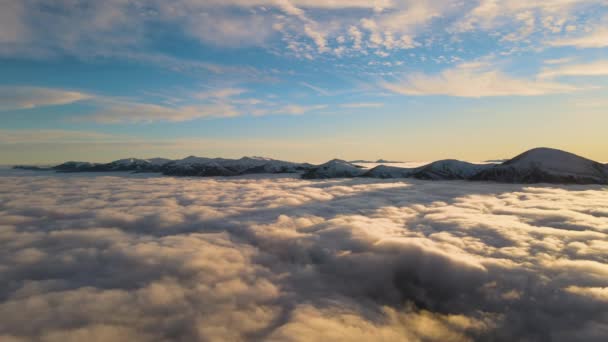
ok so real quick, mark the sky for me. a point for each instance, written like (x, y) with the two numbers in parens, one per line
(302, 80)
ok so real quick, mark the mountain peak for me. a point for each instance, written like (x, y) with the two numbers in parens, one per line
(547, 165)
(334, 168)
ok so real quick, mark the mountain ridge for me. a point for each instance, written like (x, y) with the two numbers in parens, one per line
(538, 165)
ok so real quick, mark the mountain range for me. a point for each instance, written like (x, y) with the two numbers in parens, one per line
(189, 166)
(540, 165)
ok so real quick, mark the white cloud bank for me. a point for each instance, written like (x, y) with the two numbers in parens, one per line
(132, 257)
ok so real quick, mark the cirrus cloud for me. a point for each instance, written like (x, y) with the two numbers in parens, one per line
(597, 68)
(473, 82)
(19, 97)
(595, 39)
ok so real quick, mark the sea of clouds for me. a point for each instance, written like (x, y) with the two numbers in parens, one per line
(118, 257)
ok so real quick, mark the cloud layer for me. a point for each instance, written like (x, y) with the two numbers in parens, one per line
(127, 257)
(305, 28)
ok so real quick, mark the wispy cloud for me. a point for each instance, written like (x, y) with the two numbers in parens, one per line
(298, 109)
(220, 93)
(362, 105)
(595, 39)
(213, 103)
(18, 97)
(319, 90)
(597, 68)
(473, 82)
(52, 136)
(558, 60)
(112, 112)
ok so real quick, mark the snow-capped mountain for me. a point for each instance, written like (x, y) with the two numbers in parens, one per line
(75, 166)
(440, 170)
(134, 164)
(189, 166)
(448, 169)
(546, 165)
(335, 168)
(128, 164)
(384, 171)
(196, 166)
(540, 165)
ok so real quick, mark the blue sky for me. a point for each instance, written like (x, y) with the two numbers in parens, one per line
(301, 79)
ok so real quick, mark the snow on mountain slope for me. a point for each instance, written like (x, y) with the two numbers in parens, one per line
(190, 166)
(245, 163)
(158, 161)
(384, 171)
(75, 166)
(134, 164)
(449, 169)
(200, 169)
(192, 160)
(535, 166)
(278, 166)
(128, 164)
(439, 170)
(334, 169)
(545, 165)
(195, 166)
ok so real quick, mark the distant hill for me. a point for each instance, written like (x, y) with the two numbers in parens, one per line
(539, 165)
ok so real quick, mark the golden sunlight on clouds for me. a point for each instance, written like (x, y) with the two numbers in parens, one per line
(282, 259)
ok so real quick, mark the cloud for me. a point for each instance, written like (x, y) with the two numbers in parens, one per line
(362, 105)
(597, 68)
(304, 28)
(595, 39)
(227, 30)
(319, 90)
(12, 28)
(112, 112)
(298, 109)
(220, 93)
(212, 104)
(49, 136)
(521, 18)
(143, 257)
(474, 82)
(317, 37)
(17, 97)
(558, 60)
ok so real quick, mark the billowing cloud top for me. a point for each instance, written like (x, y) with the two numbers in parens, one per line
(130, 257)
